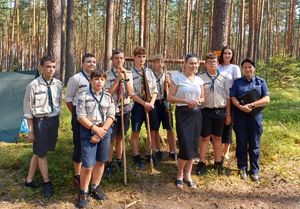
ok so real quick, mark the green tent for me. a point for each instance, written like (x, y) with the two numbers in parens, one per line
(12, 90)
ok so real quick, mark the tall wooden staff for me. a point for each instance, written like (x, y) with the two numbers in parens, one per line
(169, 110)
(148, 98)
(121, 98)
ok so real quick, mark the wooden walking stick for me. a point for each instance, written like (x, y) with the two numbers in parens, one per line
(123, 132)
(148, 98)
(169, 112)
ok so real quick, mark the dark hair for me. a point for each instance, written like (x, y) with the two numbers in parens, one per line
(116, 51)
(221, 59)
(87, 55)
(97, 74)
(139, 51)
(210, 56)
(189, 56)
(47, 58)
(248, 60)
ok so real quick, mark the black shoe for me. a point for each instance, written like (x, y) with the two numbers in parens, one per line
(172, 155)
(109, 170)
(119, 163)
(82, 199)
(77, 182)
(254, 177)
(243, 174)
(138, 162)
(32, 185)
(219, 167)
(97, 193)
(159, 156)
(47, 189)
(201, 168)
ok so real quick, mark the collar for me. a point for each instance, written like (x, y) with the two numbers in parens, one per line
(251, 80)
(42, 81)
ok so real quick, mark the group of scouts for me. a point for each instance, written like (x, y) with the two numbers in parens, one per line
(207, 109)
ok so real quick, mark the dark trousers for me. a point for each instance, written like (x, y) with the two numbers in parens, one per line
(76, 137)
(248, 131)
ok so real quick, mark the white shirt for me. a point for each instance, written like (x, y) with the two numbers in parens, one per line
(231, 72)
(77, 84)
(186, 88)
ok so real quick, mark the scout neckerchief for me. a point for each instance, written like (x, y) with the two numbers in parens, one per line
(85, 75)
(119, 85)
(158, 83)
(99, 102)
(50, 100)
(212, 86)
(142, 84)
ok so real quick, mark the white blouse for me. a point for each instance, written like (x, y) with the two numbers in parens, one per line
(187, 89)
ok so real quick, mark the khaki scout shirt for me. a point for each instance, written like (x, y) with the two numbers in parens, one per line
(36, 100)
(218, 97)
(111, 76)
(160, 78)
(88, 107)
(138, 78)
(77, 84)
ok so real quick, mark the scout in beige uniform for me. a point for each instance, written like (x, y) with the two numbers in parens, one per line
(141, 104)
(95, 113)
(215, 110)
(119, 84)
(78, 84)
(162, 114)
(42, 106)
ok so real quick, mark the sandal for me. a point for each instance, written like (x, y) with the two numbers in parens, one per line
(179, 183)
(191, 184)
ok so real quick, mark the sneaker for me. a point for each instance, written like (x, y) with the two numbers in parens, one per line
(172, 155)
(219, 167)
(138, 162)
(243, 174)
(201, 168)
(32, 185)
(77, 181)
(119, 163)
(254, 177)
(109, 170)
(97, 193)
(82, 199)
(47, 189)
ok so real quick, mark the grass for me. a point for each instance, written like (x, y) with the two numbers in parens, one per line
(280, 149)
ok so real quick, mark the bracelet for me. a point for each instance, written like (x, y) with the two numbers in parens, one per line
(92, 126)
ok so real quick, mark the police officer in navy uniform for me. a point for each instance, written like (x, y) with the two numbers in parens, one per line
(248, 119)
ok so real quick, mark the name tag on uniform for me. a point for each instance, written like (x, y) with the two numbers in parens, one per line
(41, 92)
(82, 86)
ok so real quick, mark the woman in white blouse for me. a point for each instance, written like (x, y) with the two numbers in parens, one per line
(186, 91)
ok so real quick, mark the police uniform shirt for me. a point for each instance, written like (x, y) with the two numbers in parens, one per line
(187, 89)
(216, 92)
(111, 76)
(242, 85)
(37, 101)
(231, 72)
(138, 80)
(160, 83)
(88, 107)
(77, 84)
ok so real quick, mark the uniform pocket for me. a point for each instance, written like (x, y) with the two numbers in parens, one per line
(90, 106)
(40, 99)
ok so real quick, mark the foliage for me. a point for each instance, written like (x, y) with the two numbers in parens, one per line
(282, 71)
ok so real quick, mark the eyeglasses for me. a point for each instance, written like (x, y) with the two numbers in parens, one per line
(211, 62)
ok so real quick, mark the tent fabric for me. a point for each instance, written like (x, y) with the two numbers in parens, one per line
(12, 91)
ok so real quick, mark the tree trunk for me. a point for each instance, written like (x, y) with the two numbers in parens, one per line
(290, 32)
(108, 33)
(70, 67)
(251, 30)
(63, 43)
(220, 24)
(54, 28)
(241, 32)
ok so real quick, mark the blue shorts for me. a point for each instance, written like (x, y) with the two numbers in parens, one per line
(90, 153)
(138, 116)
(46, 133)
(159, 116)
